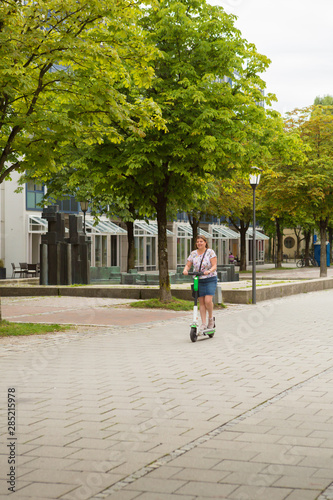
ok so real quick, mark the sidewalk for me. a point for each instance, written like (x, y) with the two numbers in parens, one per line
(80, 311)
(140, 412)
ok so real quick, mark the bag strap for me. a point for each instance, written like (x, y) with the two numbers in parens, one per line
(202, 260)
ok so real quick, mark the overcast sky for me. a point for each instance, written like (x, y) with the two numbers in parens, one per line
(297, 36)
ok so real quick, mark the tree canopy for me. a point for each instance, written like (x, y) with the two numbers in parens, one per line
(207, 84)
(301, 188)
(63, 68)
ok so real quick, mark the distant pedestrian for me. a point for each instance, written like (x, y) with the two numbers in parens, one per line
(231, 258)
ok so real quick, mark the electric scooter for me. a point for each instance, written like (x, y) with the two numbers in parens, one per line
(194, 332)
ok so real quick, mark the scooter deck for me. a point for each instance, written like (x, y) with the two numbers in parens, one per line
(208, 331)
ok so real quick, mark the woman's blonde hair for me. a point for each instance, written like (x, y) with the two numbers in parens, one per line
(202, 238)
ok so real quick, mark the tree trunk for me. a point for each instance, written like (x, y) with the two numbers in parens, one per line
(279, 234)
(298, 241)
(131, 245)
(194, 222)
(242, 229)
(307, 238)
(323, 264)
(161, 212)
(271, 247)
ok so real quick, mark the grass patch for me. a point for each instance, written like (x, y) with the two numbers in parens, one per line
(8, 329)
(174, 305)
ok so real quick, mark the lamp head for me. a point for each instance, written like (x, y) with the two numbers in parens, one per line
(255, 176)
(84, 205)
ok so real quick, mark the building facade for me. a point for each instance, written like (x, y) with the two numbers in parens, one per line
(22, 225)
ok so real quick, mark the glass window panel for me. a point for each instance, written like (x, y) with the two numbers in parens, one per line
(31, 200)
(215, 245)
(74, 204)
(139, 263)
(189, 248)
(39, 198)
(178, 251)
(183, 250)
(148, 251)
(104, 251)
(89, 249)
(98, 251)
(66, 205)
(113, 250)
(153, 252)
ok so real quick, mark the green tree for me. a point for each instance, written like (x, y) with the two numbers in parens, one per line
(208, 120)
(213, 127)
(233, 200)
(63, 68)
(326, 100)
(277, 202)
(312, 184)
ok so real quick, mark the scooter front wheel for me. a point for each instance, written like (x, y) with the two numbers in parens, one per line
(193, 334)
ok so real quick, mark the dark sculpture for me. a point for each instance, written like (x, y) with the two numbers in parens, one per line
(63, 261)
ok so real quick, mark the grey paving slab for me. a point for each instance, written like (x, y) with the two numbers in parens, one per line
(135, 411)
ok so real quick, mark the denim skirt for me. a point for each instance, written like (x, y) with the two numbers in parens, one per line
(207, 286)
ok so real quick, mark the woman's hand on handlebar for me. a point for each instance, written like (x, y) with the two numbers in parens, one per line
(185, 271)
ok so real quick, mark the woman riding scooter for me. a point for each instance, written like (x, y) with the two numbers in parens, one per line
(205, 259)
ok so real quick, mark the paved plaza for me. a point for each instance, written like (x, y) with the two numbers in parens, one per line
(126, 407)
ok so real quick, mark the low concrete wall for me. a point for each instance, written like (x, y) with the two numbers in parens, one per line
(26, 291)
(91, 291)
(238, 296)
(267, 292)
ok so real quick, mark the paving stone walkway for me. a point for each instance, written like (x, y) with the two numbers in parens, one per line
(137, 411)
(80, 311)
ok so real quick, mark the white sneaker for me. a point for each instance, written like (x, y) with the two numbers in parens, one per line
(211, 323)
(202, 328)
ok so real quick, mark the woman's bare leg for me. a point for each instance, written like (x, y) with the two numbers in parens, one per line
(203, 310)
(209, 307)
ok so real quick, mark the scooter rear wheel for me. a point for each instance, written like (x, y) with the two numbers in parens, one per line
(193, 334)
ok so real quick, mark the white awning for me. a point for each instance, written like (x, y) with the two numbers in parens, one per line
(37, 225)
(187, 228)
(104, 227)
(40, 225)
(150, 228)
(224, 233)
(259, 235)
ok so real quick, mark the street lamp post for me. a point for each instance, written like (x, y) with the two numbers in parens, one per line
(254, 181)
(84, 208)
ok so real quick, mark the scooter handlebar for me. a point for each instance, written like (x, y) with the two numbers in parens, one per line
(195, 273)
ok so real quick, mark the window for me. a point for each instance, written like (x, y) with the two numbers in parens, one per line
(98, 251)
(289, 242)
(150, 253)
(34, 196)
(139, 257)
(114, 252)
(71, 205)
(184, 247)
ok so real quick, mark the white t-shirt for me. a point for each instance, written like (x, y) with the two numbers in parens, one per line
(195, 259)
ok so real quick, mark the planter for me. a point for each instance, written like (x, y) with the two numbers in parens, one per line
(2, 273)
